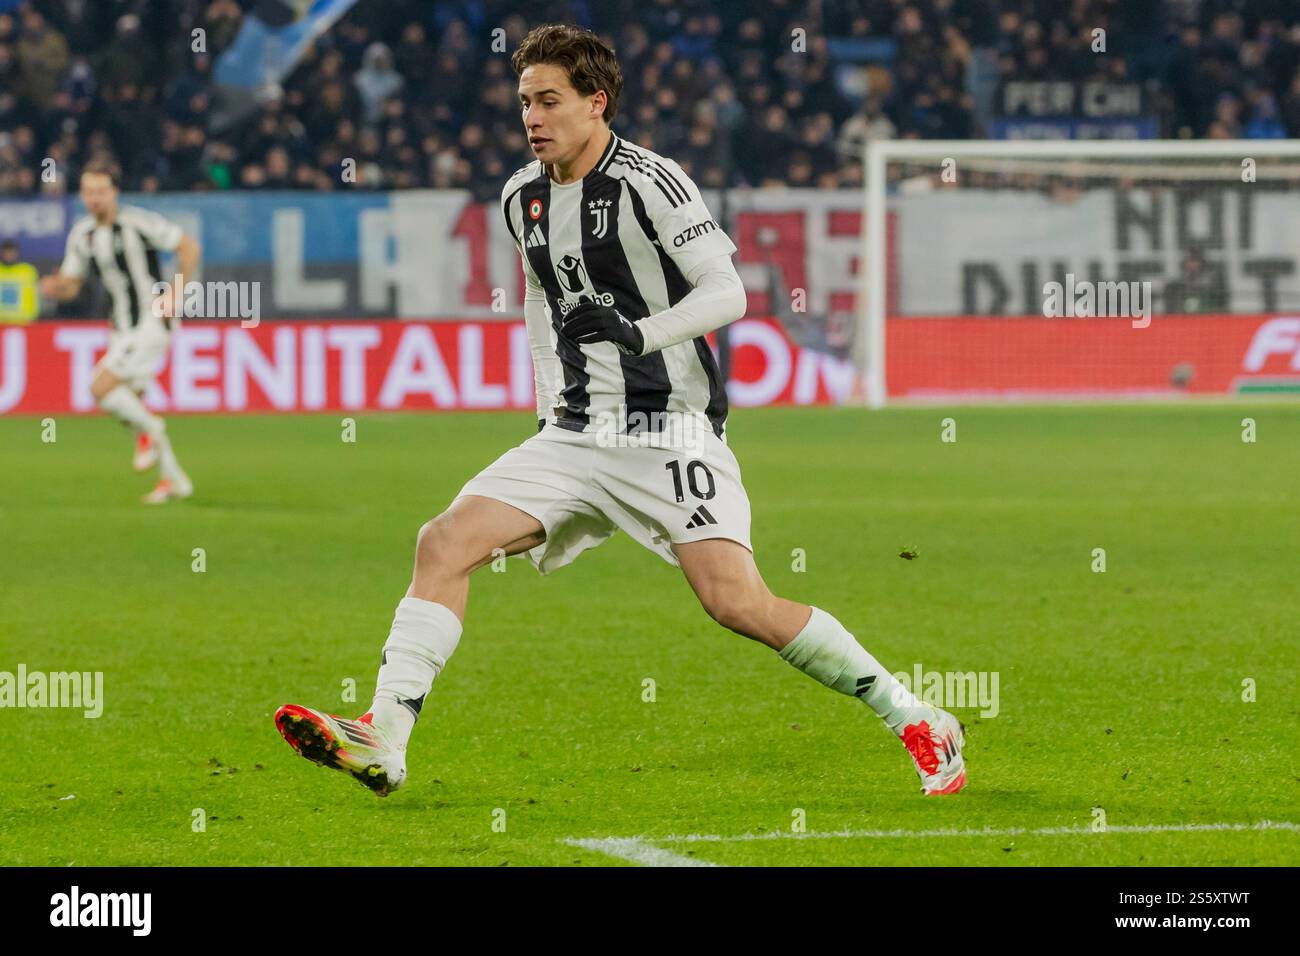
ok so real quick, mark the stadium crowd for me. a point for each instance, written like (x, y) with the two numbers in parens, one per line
(414, 93)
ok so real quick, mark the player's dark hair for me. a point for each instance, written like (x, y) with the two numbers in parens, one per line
(589, 61)
(104, 167)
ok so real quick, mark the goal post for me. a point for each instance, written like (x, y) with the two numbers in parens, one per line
(1046, 270)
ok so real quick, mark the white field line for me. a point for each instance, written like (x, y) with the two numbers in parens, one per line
(642, 850)
(637, 851)
(986, 832)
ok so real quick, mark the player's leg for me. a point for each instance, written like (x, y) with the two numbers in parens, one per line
(723, 575)
(118, 388)
(691, 494)
(117, 398)
(464, 538)
(142, 365)
(426, 629)
(134, 414)
(428, 622)
(533, 498)
(146, 452)
(728, 583)
(174, 482)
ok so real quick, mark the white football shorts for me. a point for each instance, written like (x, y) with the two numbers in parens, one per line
(135, 355)
(584, 486)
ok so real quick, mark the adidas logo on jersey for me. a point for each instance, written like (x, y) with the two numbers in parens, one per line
(535, 238)
(701, 518)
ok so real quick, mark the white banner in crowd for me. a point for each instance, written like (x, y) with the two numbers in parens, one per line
(989, 252)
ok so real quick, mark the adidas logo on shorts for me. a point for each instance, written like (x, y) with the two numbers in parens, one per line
(700, 518)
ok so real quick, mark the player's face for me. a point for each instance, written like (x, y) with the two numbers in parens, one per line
(98, 194)
(557, 118)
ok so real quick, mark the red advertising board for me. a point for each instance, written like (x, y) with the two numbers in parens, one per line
(361, 365)
(391, 365)
(993, 357)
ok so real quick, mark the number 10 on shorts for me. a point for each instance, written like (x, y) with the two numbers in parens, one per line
(693, 469)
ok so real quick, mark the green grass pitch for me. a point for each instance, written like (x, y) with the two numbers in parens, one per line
(1120, 690)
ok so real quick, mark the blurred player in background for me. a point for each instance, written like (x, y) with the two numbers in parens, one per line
(120, 245)
(626, 272)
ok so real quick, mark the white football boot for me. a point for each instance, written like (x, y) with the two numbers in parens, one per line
(169, 488)
(934, 738)
(356, 747)
(146, 453)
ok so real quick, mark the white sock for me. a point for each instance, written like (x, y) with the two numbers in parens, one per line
(828, 653)
(126, 405)
(423, 636)
(168, 466)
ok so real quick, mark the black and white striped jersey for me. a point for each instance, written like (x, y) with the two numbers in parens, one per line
(124, 254)
(631, 234)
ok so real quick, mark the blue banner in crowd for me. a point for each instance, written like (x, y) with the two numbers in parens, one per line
(270, 42)
(1136, 127)
(233, 228)
(241, 228)
(39, 226)
(419, 253)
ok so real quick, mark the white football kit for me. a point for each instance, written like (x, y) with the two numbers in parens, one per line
(124, 254)
(636, 442)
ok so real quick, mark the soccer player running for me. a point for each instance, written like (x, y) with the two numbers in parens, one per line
(625, 271)
(120, 245)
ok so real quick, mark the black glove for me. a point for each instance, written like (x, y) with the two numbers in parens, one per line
(590, 322)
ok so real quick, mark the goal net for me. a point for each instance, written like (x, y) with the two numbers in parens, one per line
(1004, 271)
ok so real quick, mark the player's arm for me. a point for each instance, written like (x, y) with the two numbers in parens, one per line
(60, 287)
(187, 262)
(546, 364)
(701, 250)
(66, 283)
(188, 252)
(161, 233)
(717, 298)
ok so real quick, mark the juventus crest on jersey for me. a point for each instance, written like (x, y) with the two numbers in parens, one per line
(630, 235)
(124, 254)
